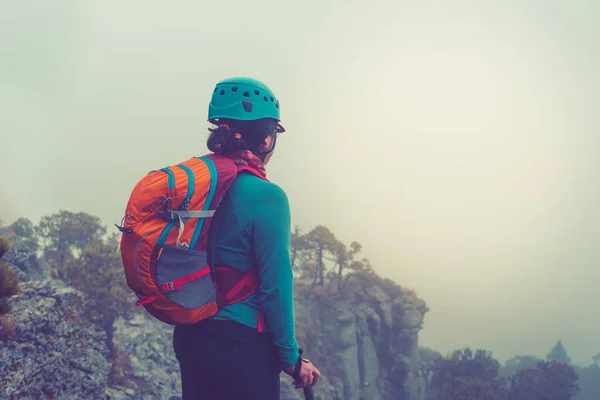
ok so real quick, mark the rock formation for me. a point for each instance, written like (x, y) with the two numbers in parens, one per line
(364, 340)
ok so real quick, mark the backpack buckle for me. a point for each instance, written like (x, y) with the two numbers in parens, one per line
(168, 287)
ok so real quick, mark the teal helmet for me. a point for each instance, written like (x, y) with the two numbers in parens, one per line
(243, 99)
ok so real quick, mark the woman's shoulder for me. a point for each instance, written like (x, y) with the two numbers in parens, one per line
(252, 188)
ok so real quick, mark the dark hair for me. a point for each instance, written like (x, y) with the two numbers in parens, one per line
(230, 136)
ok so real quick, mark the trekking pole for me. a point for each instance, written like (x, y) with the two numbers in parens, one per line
(308, 393)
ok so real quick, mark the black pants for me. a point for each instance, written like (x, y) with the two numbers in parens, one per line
(224, 360)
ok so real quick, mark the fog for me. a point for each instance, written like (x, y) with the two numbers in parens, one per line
(457, 141)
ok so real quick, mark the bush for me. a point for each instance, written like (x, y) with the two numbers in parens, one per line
(9, 287)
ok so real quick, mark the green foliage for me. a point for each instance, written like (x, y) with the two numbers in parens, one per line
(391, 288)
(470, 388)
(547, 381)
(321, 257)
(298, 249)
(429, 356)
(467, 374)
(558, 354)
(428, 359)
(98, 273)
(589, 382)
(323, 245)
(514, 364)
(466, 363)
(23, 234)
(24, 238)
(66, 234)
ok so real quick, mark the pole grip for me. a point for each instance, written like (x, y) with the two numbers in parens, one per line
(308, 393)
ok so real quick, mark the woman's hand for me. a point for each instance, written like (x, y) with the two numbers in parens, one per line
(309, 375)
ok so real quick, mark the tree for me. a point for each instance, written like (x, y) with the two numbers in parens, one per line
(323, 243)
(9, 287)
(466, 363)
(465, 370)
(298, 247)
(345, 262)
(549, 380)
(589, 382)
(596, 359)
(512, 365)
(558, 354)
(357, 267)
(311, 254)
(23, 236)
(426, 367)
(66, 234)
(98, 273)
(470, 388)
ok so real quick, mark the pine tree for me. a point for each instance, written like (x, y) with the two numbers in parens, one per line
(98, 273)
(558, 354)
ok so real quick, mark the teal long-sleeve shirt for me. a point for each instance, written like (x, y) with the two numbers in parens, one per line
(253, 229)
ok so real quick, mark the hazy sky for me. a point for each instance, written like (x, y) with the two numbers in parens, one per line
(457, 141)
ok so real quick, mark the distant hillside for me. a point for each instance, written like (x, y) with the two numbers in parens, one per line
(81, 337)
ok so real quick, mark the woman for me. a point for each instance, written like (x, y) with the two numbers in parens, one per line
(231, 356)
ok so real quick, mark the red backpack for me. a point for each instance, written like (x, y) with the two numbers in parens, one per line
(165, 242)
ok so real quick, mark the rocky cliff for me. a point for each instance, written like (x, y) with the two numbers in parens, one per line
(363, 339)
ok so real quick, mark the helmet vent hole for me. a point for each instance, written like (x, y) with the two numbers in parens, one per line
(234, 89)
(247, 106)
(256, 92)
(246, 94)
(271, 99)
(277, 105)
(222, 92)
(265, 99)
(216, 88)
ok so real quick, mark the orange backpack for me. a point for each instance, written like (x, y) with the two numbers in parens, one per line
(165, 242)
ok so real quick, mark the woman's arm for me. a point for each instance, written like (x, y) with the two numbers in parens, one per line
(271, 237)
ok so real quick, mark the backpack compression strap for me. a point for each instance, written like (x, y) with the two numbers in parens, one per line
(184, 216)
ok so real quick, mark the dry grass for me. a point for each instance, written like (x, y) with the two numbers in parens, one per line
(8, 327)
(4, 246)
(9, 284)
